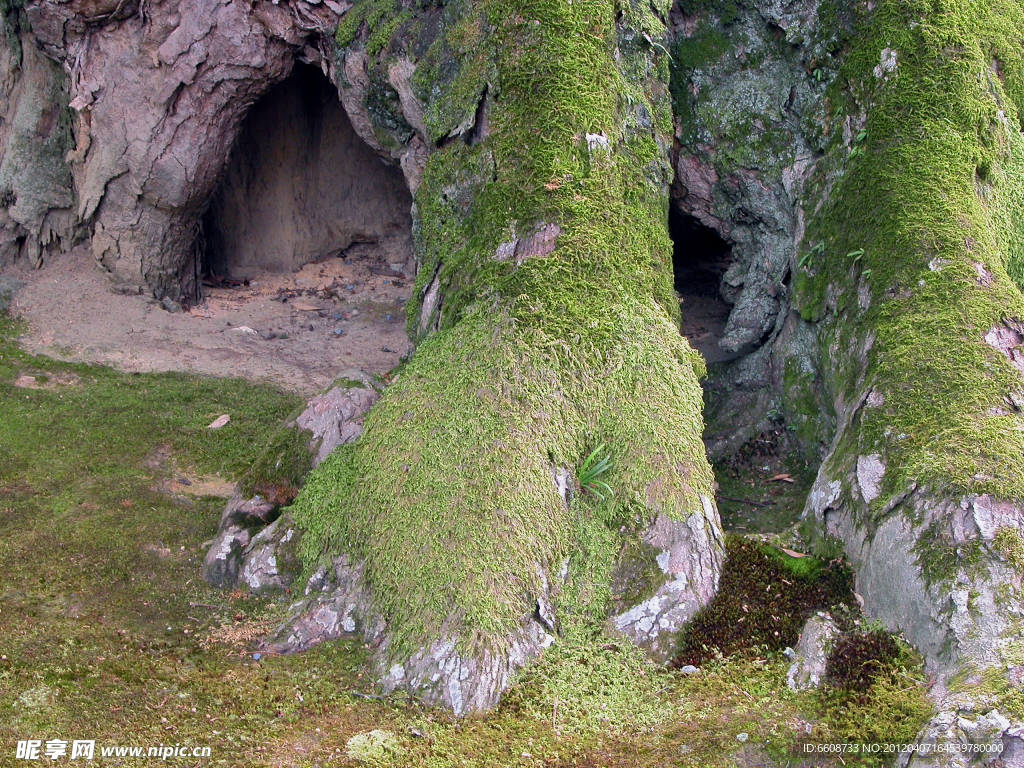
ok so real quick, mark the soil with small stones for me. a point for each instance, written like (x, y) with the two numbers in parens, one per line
(297, 331)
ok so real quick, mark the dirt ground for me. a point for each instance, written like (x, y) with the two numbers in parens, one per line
(703, 324)
(341, 313)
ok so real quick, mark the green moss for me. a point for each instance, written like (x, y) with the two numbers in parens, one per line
(10, 16)
(378, 16)
(283, 462)
(448, 495)
(1007, 541)
(704, 46)
(600, 686)
(913, 272)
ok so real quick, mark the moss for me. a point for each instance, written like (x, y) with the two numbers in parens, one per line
(704, 46)
(907, 231)
(858, 659)
(764, 598)
(941, 559)
(1007, 541)
(10, 16)
(588, 683)
(385, 110)
(455, 71)
(371, 17)
(280, 468)
(990, 687)
(448, 494)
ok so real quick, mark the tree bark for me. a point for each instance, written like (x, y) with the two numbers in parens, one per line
(899, 354)
(456, 527)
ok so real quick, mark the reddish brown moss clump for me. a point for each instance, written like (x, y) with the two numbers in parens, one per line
(858, 658)
(763, 602)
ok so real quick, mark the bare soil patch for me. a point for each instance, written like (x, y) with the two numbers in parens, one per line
(344, 312)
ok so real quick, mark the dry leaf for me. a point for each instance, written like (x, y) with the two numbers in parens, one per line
(791, 553)
(303, 306)
(219, 422)
(860, 600)
(785, 477)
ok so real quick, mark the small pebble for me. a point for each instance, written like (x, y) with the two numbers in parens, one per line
(389, 317)
(184, 481)
(338, 332)
(256, 656)
(689, 669)
(386, 349)
(741, 737)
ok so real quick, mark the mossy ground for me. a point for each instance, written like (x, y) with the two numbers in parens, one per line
(110, 634)
(762, 487)
(763, 600)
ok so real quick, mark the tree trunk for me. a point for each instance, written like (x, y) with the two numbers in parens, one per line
(456, 525)
(887, 146)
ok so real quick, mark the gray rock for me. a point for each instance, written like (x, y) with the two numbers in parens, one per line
(223, 560)
(267, 563)
(242, 553)
(689, 556)
(811, 655)
(8, 287)
(335, 417)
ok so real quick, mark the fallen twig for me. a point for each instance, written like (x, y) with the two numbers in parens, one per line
(745, 501)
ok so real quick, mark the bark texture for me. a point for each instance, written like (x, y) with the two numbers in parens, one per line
(890, 166)
(139, 119)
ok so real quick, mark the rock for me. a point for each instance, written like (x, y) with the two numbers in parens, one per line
(985, 740)
(8, 287)
(268, 563)
(811, 655)
(684, 552)
(243, 551)
(689, 669)
(223, 559)
(335, 417)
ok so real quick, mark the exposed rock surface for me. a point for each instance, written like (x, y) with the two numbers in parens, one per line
(746, 144)
(8, 287)
(255, 547)
(301, 185)
(127, 139)
(810, 658)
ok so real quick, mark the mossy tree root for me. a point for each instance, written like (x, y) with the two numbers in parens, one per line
(917, 236)
(454, 531)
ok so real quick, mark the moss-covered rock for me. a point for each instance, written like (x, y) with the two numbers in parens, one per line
(906, 272)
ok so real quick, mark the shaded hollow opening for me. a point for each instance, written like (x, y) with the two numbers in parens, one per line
(301, 186)
(700, 256)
